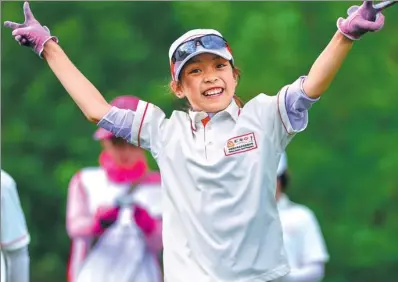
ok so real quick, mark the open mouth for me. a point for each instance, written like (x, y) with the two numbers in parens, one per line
(213, 92)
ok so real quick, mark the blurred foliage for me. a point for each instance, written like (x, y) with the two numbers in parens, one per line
(343, 166)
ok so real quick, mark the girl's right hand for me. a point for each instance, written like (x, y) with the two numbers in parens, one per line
(31, 33)
(362, 19)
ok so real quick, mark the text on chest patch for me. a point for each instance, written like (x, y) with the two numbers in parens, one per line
(240, 144)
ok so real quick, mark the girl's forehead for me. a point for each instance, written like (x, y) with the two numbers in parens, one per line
(204, 58)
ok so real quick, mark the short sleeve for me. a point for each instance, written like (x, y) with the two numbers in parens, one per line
(293, 106)
(148, 127)
(142, 128)
(14, 233)
(313, 244)
(284, 115)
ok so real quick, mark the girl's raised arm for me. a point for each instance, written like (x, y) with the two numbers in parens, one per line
(31, 33)
(360, 20)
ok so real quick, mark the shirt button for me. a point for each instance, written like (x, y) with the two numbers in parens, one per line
(210, 143)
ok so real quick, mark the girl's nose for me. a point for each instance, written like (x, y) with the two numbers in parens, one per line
(211, 79)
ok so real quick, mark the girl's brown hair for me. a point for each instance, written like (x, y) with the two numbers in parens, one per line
(237, 74)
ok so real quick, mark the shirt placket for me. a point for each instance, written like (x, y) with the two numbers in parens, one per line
(208, 137)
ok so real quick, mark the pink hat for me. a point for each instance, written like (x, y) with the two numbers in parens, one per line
(122, 102)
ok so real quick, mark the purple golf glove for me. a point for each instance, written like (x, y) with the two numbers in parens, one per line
(362, 19)
(31, 33)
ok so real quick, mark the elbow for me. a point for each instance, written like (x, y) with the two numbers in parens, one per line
(92, 119)
(93, 116)
(74, 233)
(96, 113)
(76, 229)
(71, 231)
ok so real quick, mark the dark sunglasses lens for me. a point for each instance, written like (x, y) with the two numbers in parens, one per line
(185, 50)
(207, 41)
(213, 42)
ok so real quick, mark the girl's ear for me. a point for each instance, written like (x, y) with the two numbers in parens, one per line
(176, 87)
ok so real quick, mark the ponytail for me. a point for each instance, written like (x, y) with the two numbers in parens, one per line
(238, 101)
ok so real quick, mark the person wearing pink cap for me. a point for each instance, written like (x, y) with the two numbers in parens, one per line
(219, 159)
(93, 195)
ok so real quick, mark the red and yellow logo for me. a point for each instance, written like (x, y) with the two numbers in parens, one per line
(230, 144)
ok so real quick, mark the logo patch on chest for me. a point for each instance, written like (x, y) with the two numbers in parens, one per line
(240, 144)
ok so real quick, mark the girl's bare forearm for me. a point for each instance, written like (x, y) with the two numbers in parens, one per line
(327, 65)
(82, 91)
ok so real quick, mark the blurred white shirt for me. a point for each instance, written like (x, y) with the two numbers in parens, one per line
(13, 233)
(303, 240)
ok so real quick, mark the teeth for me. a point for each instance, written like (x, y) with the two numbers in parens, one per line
(213, 91)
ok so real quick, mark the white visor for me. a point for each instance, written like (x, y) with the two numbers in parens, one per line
(195, 33)
(223, 53)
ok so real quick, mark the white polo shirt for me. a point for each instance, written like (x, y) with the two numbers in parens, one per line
(303, 238)
(220, 220)
(13, 231)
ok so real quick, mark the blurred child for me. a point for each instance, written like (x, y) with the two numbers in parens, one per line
(303, 240)
(93, 200)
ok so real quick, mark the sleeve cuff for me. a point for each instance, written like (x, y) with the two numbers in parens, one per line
(284, 113)
(117, 122)
(300, 83)
(17, 243)
(293, 105)
(107, 122)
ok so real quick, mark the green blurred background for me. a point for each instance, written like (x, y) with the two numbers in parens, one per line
(343, 166)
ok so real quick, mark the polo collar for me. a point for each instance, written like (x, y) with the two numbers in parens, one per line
(197, 118)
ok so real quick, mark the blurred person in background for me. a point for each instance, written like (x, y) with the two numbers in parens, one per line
(14, 235)
(303, 240)
(94, 191)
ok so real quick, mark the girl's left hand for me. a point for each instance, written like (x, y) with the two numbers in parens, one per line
(362, 19)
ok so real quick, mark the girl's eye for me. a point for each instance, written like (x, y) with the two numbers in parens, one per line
(219, 66)
(194, 71)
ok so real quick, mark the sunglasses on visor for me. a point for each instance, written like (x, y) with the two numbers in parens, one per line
(210, 41)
